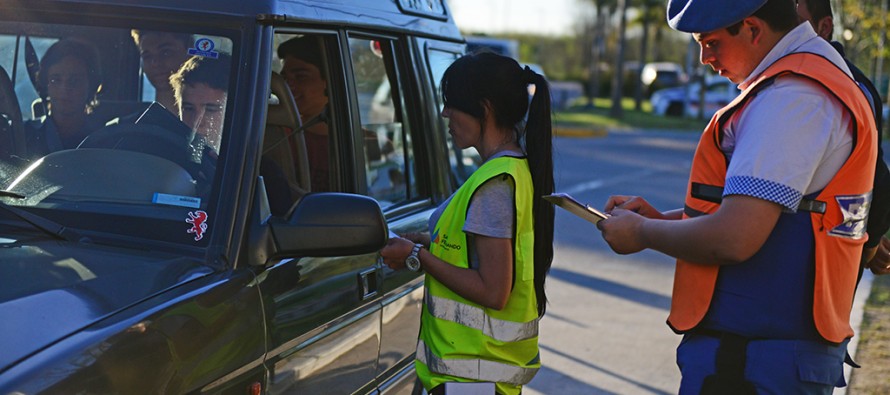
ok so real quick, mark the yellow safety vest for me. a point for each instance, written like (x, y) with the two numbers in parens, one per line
(461, 341)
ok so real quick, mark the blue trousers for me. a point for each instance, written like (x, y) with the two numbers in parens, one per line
(773, 366)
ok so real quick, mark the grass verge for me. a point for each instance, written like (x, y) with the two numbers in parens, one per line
(873, 351)
(582, 116)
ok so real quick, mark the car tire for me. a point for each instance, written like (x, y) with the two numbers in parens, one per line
(674, 110)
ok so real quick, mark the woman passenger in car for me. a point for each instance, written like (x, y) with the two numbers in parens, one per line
(68, 81)
(492, 240)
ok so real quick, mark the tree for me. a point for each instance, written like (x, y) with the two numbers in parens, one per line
(617, 111)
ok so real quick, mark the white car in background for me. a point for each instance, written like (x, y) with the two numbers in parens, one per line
(669, 101)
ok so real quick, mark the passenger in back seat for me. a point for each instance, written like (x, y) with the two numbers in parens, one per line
(68, 81)
(163, 53)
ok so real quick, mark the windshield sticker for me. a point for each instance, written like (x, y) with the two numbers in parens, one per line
(204, 47)
(176, 200)
(198, 219)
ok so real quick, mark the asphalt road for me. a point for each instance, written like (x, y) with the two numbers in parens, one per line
(605, 331)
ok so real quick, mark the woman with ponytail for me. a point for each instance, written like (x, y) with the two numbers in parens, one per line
(490, 244)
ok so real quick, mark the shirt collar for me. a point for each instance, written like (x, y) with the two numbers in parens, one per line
(790, 43)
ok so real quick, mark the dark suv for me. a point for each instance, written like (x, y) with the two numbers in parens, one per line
(152, 258)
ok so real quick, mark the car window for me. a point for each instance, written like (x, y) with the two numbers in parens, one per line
(121, 152)
(389, 160)
(463, 161)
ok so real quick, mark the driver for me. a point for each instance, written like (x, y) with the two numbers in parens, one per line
(200, 88)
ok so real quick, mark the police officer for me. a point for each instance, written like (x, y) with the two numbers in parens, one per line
(770, 238)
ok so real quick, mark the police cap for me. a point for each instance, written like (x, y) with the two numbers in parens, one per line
(700, 16)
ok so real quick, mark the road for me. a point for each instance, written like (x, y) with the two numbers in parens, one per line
(604, 331)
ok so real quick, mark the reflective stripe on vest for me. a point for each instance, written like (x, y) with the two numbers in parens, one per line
(475, 317)
(476, 369)
(837, 249)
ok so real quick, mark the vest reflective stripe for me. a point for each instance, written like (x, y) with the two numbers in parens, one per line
(475, 317)
(476, 369)
(836, 258)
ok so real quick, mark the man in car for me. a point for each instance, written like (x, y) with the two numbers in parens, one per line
(769, 242)
(302, 64)
(200, 88)
(876, 255)
(162, 54)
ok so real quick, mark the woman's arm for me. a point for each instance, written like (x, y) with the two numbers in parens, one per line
(488, 286)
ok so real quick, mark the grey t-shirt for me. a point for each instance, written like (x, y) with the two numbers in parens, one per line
(491, 212)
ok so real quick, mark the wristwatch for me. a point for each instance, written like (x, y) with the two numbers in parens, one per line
(412, 262)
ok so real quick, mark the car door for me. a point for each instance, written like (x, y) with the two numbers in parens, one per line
(406, 169)
(323, 313)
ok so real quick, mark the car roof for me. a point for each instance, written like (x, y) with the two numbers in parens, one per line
(430, 18)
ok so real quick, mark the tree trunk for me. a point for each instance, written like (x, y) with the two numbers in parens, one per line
(644, 44)
(617, 77)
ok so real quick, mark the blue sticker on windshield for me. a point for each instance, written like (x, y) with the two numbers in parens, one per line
(204, 47)
(176, 200)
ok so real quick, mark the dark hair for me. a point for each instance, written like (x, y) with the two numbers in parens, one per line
(475, 80)
(203, 70)
(186, 39)
(780, 15)
(78, 49)
(305, 48)
(818, 8)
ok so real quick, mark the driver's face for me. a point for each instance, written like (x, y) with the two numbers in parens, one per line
(203, 108)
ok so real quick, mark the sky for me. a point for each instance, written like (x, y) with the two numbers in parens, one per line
(551, 17)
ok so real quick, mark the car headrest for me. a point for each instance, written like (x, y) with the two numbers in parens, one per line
(282, 112)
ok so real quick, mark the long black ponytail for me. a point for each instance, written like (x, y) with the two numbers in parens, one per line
(483, 78)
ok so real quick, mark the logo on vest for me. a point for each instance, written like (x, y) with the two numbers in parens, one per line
(444, 244)
(855, 210)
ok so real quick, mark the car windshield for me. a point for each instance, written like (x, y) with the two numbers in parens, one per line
(99, 124)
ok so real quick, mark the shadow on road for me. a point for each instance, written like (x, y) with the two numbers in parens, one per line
(613, 288)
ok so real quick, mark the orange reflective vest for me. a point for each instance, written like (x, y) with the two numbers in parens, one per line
(837, 250)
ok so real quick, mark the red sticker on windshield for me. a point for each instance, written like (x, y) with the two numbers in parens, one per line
(198, 219)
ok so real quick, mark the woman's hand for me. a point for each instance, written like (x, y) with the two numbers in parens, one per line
(395, 252)
(422, 238)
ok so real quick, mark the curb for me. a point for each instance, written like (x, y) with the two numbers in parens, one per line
(568, 131)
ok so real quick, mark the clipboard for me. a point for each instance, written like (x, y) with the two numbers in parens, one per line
(573, 206)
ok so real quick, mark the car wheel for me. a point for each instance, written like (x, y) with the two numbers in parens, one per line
(675, 109)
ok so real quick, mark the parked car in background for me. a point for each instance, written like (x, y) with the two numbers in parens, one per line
(660, 75)
(140, 262)
(670, 101)
(501, 46)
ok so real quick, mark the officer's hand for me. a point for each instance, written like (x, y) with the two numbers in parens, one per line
(622, 230)
(880, 263)
(633, 203)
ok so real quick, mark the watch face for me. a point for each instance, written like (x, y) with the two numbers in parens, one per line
(412, 263)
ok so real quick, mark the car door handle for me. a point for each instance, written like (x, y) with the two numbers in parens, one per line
(368, 283)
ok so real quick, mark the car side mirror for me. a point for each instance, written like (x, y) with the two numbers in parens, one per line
(330, 224)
